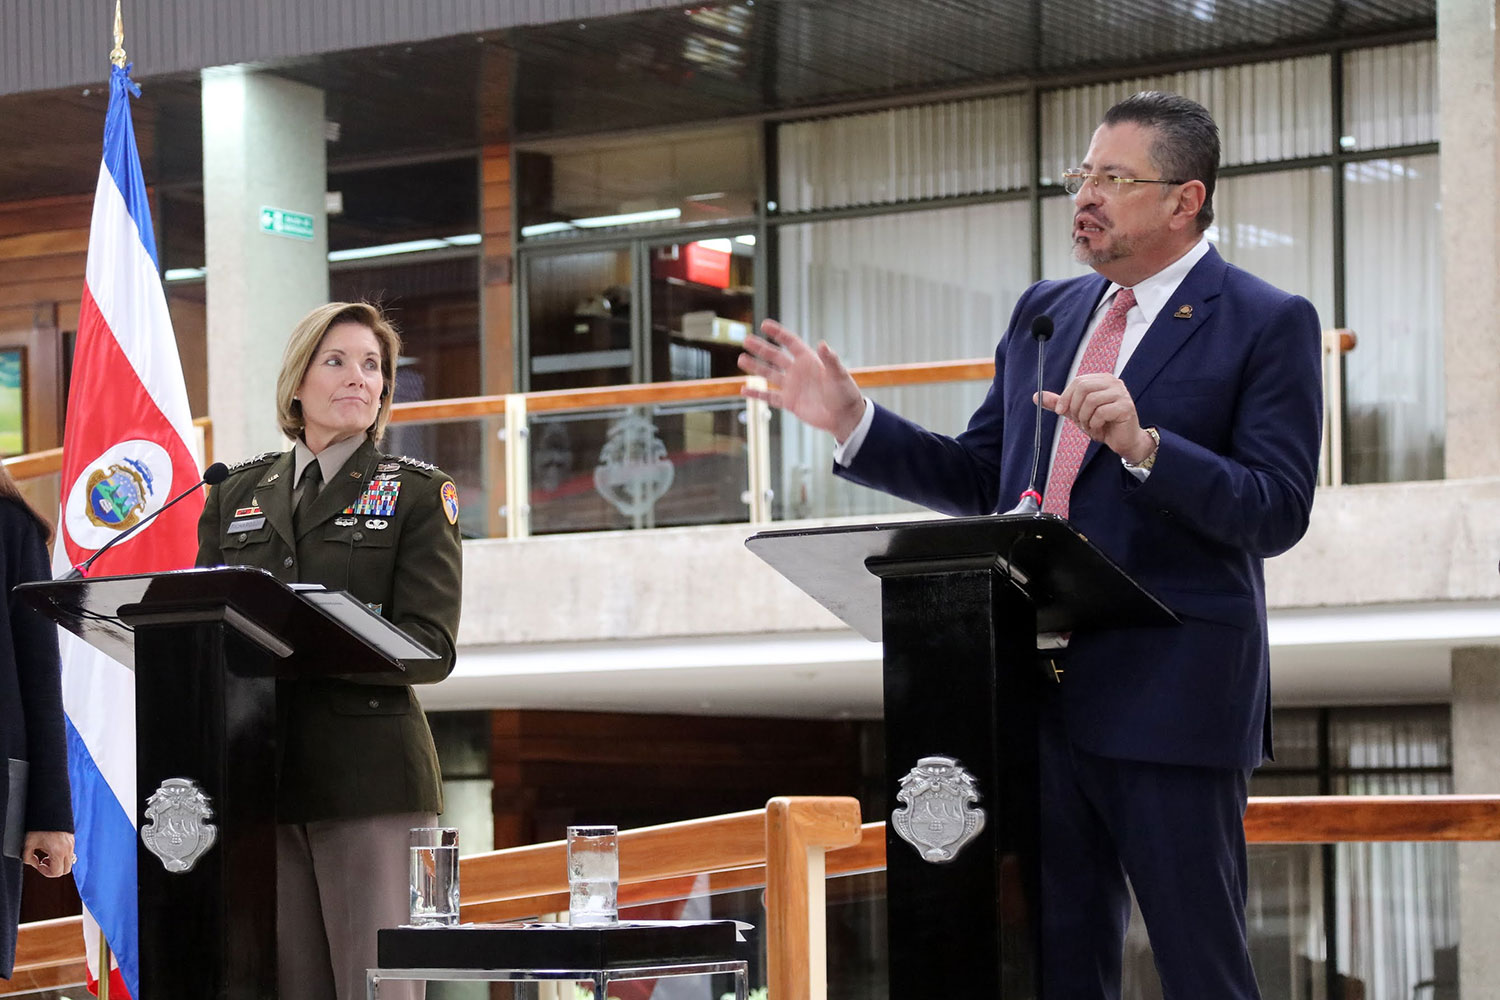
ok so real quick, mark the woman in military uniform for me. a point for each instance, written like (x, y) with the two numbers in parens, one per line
(357, 767)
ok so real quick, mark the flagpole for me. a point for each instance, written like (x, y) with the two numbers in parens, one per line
(103, 975)
(117, 57)
(117, 54)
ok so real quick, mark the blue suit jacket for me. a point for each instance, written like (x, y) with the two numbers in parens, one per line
(1236, 394)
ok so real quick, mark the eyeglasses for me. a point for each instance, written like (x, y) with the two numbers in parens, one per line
(1073, 181)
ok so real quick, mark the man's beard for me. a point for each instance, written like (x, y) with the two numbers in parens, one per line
(1117, 249)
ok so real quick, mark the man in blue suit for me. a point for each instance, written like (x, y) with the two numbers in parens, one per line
(1183, 401)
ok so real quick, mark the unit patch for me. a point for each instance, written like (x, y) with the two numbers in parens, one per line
(379, 499)
(450, 502)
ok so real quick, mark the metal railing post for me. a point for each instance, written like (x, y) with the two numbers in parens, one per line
(1335, 343)
(517, 509)
(758, 494)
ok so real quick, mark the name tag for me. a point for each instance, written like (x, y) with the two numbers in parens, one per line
(245, 524)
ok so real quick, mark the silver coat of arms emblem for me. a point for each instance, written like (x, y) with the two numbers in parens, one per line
(178, 832)
(634, 470)
(936, 817)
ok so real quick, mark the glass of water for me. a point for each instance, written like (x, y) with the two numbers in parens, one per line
(434, 876)
(593, 876)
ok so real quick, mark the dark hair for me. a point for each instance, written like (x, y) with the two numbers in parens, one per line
(11, 490)
(1186, 144)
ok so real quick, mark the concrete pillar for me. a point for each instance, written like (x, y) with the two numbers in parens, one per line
(1476, 771)
(262, 148)
(1467, 72)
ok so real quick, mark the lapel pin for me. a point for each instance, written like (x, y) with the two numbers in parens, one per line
(1183, 312)
(271, 478)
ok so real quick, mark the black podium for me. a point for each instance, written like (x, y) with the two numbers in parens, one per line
(959, 603)
(207, 646)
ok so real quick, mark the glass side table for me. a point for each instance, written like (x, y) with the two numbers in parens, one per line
(537, 953)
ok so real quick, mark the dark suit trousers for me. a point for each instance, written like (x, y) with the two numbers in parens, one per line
(337, 883)
(1177, 833)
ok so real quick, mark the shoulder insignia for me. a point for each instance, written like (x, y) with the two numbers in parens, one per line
(260, 459)
(416, 463)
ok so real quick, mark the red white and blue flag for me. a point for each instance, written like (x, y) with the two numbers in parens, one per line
(125, 453)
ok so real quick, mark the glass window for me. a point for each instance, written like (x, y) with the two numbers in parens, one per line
(1276, 227)
(578, 320)
(1390, 96)
(905, 154)
(702, 305)
(935, 285)
(1393, 379)
(1265, 111)
(702, 177)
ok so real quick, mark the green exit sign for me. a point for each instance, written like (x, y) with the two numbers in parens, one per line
(297, 225)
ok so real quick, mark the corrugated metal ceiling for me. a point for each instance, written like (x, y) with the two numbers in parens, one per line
(669, 66)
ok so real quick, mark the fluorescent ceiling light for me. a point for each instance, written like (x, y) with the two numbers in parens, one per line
(410, 246)
(601, 221)
(748, 239)
(721, 245)
(543, 228)
(184, 273)
(625, 219)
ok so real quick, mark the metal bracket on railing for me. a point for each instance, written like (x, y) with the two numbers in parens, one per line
(517, 509)
(1336, 343)
(758, 455)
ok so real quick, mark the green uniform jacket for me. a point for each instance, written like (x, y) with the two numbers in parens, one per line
(356, 745)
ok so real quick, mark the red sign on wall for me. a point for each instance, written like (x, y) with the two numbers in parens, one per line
(707, 266)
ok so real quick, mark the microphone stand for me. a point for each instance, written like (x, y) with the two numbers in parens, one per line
(1031, 500)
(212, 476)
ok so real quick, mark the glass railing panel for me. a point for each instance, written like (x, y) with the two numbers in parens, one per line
(802, 456)
(44, 493)
(472, 452)
(654, 466)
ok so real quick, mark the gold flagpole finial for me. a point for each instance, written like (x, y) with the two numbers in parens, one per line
(117, 54)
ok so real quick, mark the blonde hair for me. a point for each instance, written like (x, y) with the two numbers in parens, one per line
(303, 345)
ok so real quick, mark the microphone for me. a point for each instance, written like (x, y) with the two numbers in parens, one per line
(212, 476)
(1031, 500)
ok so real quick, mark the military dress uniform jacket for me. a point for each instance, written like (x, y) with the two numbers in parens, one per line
(358, 744)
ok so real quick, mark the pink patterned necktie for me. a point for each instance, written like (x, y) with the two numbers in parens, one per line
(1100, 356)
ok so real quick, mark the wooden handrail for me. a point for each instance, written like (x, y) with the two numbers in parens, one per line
(663, 862)
(691, 391)
(34, 464)
(44, 463)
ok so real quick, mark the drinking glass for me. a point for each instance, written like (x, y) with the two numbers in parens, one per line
(434, 876)
(593, 875)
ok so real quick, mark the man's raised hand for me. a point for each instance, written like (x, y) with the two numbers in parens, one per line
(812, 385)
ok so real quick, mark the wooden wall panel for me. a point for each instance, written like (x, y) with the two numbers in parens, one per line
(497, 274)
(555, 768)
